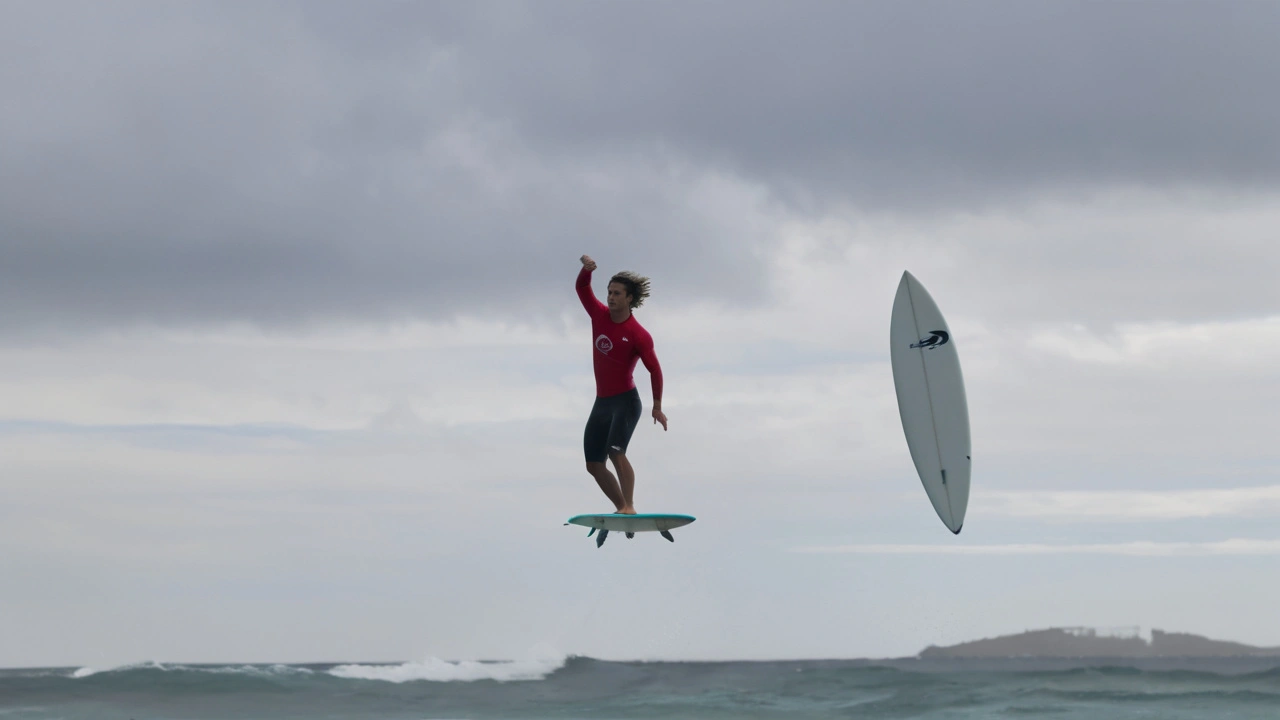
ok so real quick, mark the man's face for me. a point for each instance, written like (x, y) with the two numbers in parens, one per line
(619, 298)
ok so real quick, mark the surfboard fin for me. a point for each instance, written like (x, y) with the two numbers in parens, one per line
(630, 535)
(600, 538)
(591, 532)
(667, 534)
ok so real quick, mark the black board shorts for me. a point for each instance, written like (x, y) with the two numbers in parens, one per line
(610, 425)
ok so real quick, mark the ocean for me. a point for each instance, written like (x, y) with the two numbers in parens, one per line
(580, 687)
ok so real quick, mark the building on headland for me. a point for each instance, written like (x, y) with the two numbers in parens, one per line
(1075, 642)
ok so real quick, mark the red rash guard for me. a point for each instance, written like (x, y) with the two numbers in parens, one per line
(617, 346)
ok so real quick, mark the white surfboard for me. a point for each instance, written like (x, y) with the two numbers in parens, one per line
(931, 399)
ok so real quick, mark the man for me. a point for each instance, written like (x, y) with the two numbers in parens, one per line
(619, 342)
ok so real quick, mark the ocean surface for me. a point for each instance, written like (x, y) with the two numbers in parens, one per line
(579, 687)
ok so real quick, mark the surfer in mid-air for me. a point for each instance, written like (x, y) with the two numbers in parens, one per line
(619, 342)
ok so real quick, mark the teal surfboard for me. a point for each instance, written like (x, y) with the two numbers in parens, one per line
(662, 523)
(644, 522)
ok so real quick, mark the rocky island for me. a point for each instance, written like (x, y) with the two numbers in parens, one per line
(1055, 643)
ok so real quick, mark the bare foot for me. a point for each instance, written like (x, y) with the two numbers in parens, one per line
(628, 510)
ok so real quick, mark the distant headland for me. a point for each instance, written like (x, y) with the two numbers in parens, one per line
(1090, 643)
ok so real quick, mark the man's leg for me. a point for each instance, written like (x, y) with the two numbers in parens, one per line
(626, 413)
(595, 441)
(626, 481)
(608, 484)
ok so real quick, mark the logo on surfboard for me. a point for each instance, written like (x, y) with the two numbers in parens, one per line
(604, 344)
(937, 338)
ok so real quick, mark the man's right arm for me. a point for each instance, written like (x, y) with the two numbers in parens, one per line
(583, 286)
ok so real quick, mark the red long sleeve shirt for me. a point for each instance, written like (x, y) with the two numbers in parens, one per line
(617, 346)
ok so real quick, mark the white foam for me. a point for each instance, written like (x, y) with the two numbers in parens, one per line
(261, 670)
(437, 670)
(85, 672)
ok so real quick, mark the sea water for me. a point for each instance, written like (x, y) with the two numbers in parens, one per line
(579, 687)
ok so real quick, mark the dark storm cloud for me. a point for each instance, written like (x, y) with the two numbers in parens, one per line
(281, 162)
(905, 104)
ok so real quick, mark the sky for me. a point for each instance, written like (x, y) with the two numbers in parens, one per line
(292, 368)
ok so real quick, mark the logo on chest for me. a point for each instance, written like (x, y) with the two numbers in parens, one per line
(604, 344)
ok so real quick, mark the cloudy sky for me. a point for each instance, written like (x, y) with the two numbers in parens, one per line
(292, 369)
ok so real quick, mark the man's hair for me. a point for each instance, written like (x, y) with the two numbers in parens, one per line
(637, 286)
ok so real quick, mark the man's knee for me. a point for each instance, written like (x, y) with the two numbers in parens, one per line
(595, 467)
(617, 454)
